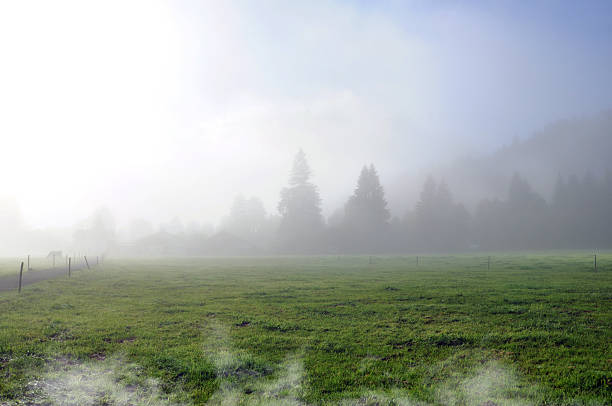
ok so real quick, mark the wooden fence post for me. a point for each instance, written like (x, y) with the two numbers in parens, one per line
(29, 263)
(20, 276)
(84, 256)
(69, 266)
(489, 263)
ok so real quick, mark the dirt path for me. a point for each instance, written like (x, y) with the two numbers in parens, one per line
(10, 282)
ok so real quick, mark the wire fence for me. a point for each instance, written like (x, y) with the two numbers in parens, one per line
(28, 272)
(36, 269)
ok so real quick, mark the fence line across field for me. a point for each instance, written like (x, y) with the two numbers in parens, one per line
(80, 261)
(72, 263)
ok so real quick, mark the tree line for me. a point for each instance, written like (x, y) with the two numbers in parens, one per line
(578, 216)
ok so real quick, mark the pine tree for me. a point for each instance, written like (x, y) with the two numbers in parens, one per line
(300, 209)
(366, 220)
(367, 207)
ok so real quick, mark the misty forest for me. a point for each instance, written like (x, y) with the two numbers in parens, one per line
(573, 215)
(322, 203)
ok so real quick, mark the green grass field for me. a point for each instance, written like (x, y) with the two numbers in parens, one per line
(533, 330)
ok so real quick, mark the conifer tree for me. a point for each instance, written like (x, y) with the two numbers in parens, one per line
(367, 207)
(366, 214)
(300, 209)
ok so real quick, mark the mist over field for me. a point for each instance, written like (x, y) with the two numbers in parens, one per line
(305, 203)
(155, 128)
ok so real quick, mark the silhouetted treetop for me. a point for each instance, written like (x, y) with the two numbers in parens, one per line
(367, 205)
(300, 208)
(300, 173)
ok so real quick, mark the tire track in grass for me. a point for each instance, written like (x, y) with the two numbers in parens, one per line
(11, 282)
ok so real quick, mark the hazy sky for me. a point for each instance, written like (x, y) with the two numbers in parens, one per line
(163, 109)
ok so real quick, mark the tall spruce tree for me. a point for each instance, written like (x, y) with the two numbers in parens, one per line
(300, 209)
(367, 207)
(366, 214)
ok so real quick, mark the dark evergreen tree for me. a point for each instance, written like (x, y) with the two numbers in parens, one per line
(367, 207)
(366, 215)
(301, 222)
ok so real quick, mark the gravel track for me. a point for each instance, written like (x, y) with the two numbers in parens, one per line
(11, 282)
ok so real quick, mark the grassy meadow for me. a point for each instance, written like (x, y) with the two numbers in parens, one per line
(533, 329)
